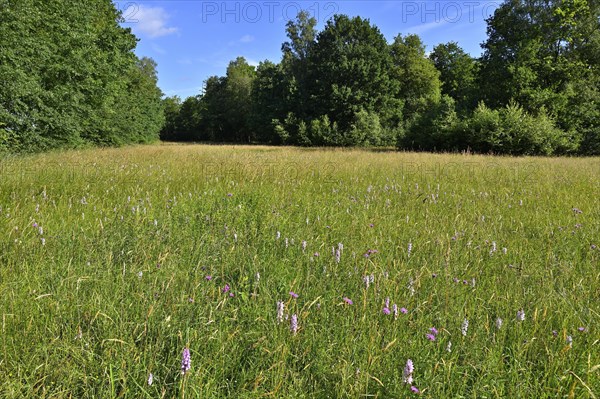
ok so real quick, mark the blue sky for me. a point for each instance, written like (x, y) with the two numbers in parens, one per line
(193, 39)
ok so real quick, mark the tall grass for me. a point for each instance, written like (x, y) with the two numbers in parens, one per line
(113, 261)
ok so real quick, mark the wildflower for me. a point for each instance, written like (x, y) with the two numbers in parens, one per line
(226, 288)
(191, 300)
(577, 211)
(395, 311)
(465, 327)
(414, 389)
(554, 333)
(386, 311)
(498, 323)
(150, 379)
(280, 307)
(293, 294)
(434, 275)
(316, 254)
(208, 278)
(43, 241)
(278, 235)
(286, 242)
(229, 194)
(338, 256)
(521, 315)
(41, 230)
(569, 340)
(371, 225)
(410, 246)
(348, 301)
(257, 277)
(367, 281)
(403, 310)
(410, 286)
(304, 244)
(430, 337)
(340, 246)
(235, 237)
(407, 377)
(140, 274)
(433, 330)
(387, 302)
(504, 250)
(186, 361)
(582, 329)
(449, 346)
(493, 247)
(294, 324)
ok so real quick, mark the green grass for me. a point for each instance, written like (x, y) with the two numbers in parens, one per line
(118, 288)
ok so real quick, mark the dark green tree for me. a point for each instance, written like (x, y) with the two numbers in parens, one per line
(212, 104)
(458, 74)
(295, 63)
(238, 103)
(270, 95)
(418, 80)
(66, 70)
(170, 130)
(350, 65)
(545, 55)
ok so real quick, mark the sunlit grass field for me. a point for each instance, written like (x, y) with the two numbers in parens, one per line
(298, 273)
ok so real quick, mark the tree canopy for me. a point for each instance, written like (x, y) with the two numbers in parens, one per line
(69, 77)
(534, 90)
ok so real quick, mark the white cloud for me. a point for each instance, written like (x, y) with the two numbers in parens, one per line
(159, 50)
(252, 62)
(152, 21)
(242, 40)
(247, 39)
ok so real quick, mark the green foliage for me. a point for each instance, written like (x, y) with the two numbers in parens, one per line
(435, 129)
(346, 86)
(68, 77)
(541, 54)
(480, 128)
(511, 130)
(366, 130)
(172, 107)
(418, 80)
(297, 66)
(268, 102)
(350, 71)
(458, 74)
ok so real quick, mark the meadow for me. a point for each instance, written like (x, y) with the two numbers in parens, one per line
(191, 271)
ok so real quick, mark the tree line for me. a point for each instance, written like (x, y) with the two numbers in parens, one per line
(534, 90)
(69, 78)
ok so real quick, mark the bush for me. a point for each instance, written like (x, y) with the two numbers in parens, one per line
(324, 132)
(434, 130)
(511, 130)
